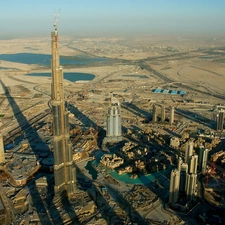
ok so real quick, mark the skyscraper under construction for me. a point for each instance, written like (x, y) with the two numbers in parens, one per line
(64, 170)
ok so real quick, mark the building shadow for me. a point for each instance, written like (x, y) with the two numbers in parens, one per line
(172, 133)
(94, 190)
(195, 117)
(87, 122)
(138, 110)
(42, 205)
(27, 128)
(106, 210)
(38, 203)
(135, 110)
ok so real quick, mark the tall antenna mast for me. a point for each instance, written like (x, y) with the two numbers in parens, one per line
(55, 27)
(56, 19)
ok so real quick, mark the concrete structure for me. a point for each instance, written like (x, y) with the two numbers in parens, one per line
(183, 175)
(64, 170)
(184, 167)
(188, 151)
(154, 114)
(193, 164)
(21, 169)
(111, 161)
(113, 129)
(174, 142)
(171, 120)
(190, 187)
(202, 159)
(220, 120)
(2, 152)
(174, 186)
(180, 162)
(163, 113)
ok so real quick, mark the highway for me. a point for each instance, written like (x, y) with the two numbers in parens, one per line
(145, 66)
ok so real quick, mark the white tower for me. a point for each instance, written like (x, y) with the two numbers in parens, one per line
(113, 129)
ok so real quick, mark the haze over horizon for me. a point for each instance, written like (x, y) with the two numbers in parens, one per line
(27, 18)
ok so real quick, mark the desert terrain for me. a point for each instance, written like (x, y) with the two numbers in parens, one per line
(137, 69)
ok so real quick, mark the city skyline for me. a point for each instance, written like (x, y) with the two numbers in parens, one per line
(112, 18)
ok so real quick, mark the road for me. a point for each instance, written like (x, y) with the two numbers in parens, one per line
(157, 213)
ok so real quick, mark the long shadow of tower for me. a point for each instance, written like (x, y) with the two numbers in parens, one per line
(28, 128)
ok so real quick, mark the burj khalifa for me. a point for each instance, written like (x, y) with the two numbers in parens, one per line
(64, 169)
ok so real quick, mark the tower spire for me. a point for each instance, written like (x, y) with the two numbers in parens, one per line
(64, 170)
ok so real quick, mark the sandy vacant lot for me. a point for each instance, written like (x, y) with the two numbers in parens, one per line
(195, 62)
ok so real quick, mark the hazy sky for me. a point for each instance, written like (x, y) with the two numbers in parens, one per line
(113, 17)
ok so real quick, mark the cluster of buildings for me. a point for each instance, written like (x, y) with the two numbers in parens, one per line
(163, 114)
(111, 161)
(183, 179)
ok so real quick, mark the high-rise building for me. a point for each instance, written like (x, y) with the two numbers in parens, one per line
(174, 186)
(184, 167)
(193, 164)
(113, 129)
(154, 114)
(190, 188)
(64, 169)
(220, 120)
(163, 113)
(2, 152)
(180, 162)
(201, 149)
(188, 151)
(203, 158)
(171, 120)
(183, 174)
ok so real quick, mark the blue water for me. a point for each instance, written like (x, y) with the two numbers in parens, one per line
(144, 179)
(68, 76)
(45, 59)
